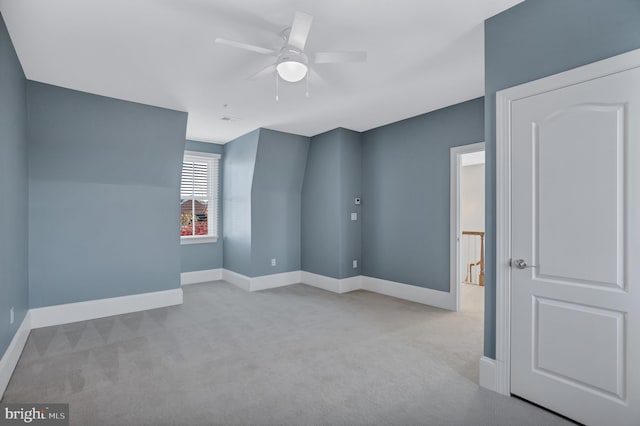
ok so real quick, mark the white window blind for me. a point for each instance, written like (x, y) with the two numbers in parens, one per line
(199, 195)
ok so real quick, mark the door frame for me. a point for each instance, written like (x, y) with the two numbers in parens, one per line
(454, 222)
(504, 98)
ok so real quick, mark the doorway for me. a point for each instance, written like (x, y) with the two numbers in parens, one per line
(467, 226)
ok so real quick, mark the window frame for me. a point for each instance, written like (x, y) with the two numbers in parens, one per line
(213, 194)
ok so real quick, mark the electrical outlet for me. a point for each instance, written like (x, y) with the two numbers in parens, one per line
(11, 316)
(357, 201)
(355, 264)
(273, 262)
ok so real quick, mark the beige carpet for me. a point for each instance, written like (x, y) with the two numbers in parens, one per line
(294, 355)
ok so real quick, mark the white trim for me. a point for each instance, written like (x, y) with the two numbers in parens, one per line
(11, 356)
(196, 154)
(335, 285)
(197, 239)
(487, 373)
(213, 195)
(504, 98)
(92, 309)
(320, 281)
(265, 282)
(426, 296)
(350, 284)
(503, 246)
(455, 168)
(196, 277)
(237, 279)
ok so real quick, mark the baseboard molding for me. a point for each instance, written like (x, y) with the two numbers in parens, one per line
(426, 296)
(237, 279)
(197, 277)
(320, 281)
(265, 282)
(11, 356)
(351, 284)
(334, 285)
(488, 371)
(92, 309)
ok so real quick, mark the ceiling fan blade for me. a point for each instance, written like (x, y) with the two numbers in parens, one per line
(336, 57)
(265, 71)
(300, 30)
(245, 46)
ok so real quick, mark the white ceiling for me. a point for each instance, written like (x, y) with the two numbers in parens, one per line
(422, 55)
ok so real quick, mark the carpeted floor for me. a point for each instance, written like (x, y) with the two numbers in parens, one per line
(294, 355)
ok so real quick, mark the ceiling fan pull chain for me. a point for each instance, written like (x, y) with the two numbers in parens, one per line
(307, 84)
(277, 85)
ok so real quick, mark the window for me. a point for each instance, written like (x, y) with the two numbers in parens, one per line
(199, 198)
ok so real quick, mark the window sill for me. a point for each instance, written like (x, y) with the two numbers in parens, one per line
(198, 240)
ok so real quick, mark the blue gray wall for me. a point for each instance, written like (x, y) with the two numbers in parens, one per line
(536, 39)
(350, 188)
(14, 278)
(406, 191)
(276, 202)
(203, 256)
(321, 206)
(333, 179)
(263, 173)
(103, 196)
(238, 161)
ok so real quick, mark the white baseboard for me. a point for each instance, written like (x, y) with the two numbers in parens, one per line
(320, 281)
(263, 282)
(92, 309)
(335, 285)
(488, 370)
(237, 279)
(426, 296)
(196, 277)
(275, 280)
(351, 284)
(11, 356)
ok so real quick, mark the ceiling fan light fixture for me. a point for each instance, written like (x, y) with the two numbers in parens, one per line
(292, 68)
(291, 71)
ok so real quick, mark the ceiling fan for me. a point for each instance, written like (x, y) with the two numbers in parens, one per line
(292, 62)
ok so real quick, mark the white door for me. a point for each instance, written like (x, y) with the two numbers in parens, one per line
(575, 306)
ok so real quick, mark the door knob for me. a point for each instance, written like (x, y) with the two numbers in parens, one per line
(522, 264)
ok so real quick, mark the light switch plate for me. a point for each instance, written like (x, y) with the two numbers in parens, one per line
(354, 216)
